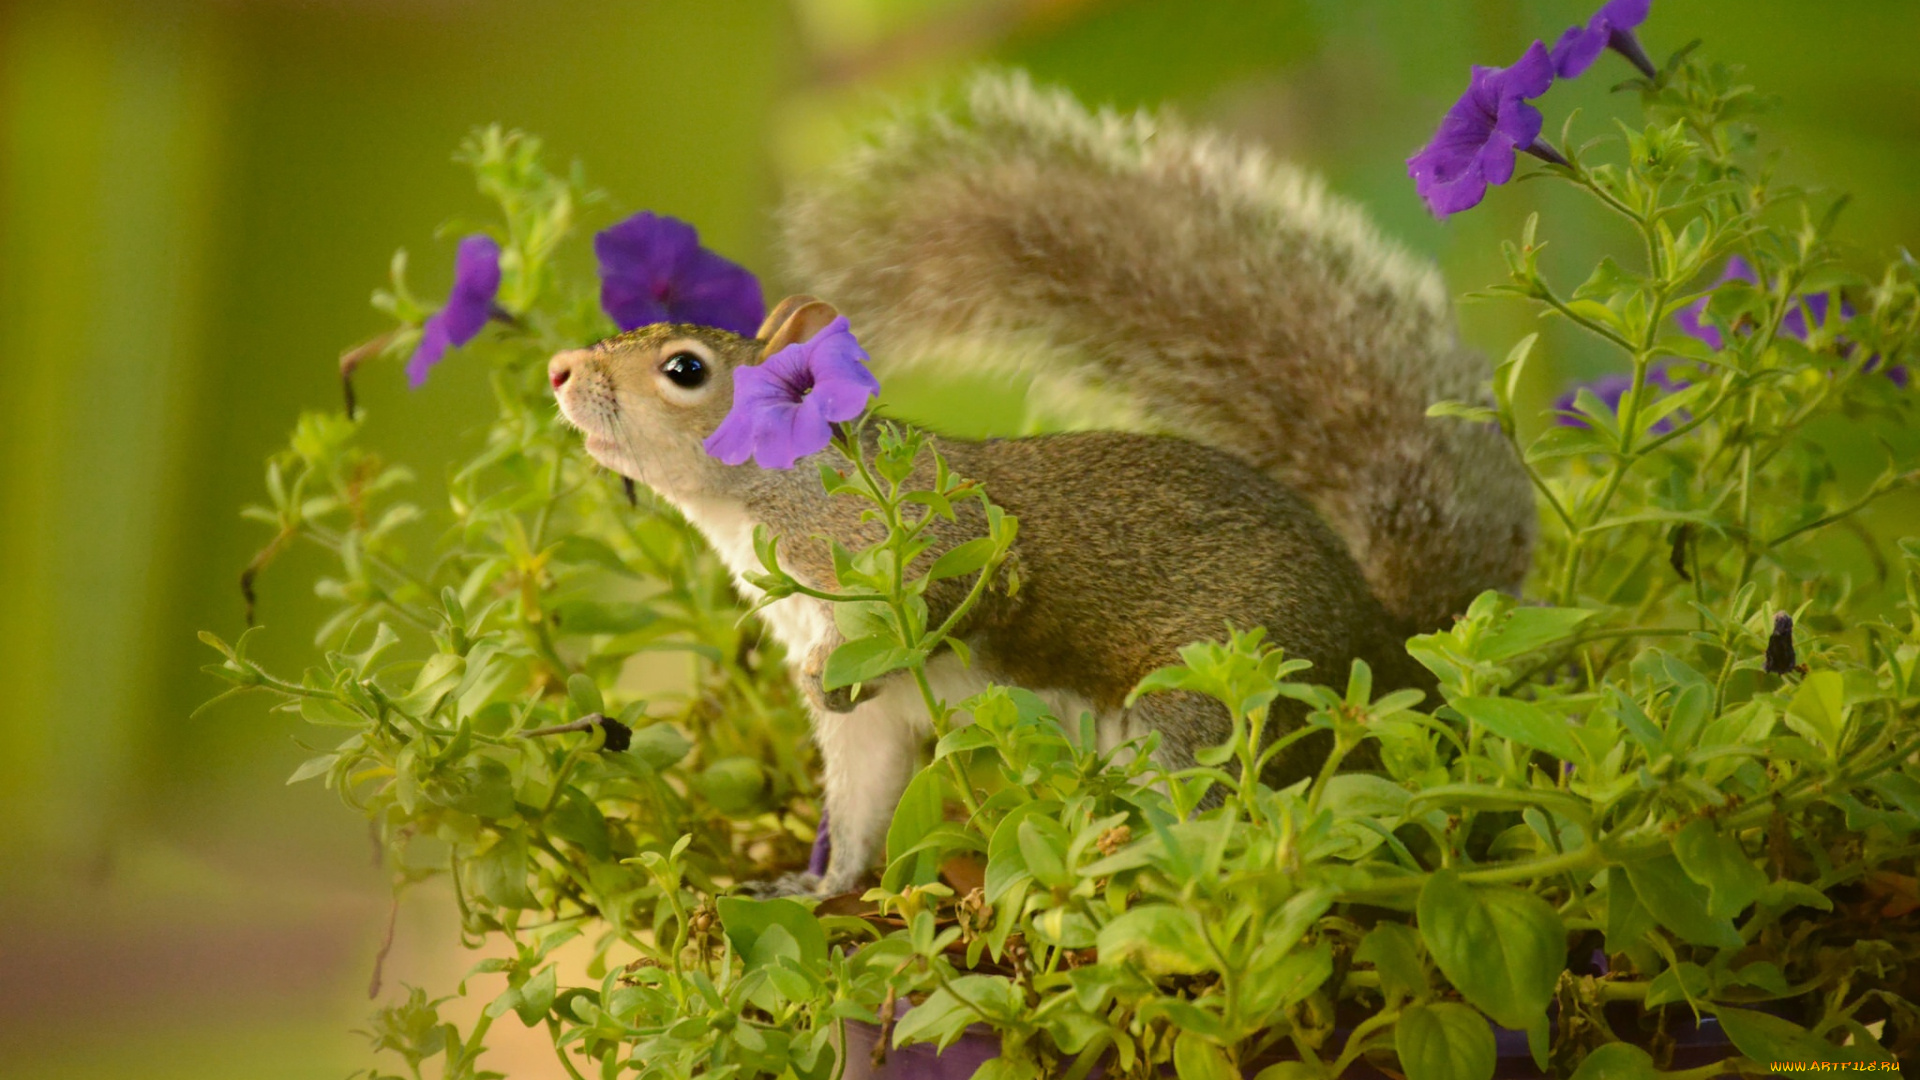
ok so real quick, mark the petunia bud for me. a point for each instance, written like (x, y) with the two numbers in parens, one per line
(619, 735)
(1780, 658)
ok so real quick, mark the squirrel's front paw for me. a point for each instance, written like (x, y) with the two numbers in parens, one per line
(834, 701)
(794, 884)
(838, 701)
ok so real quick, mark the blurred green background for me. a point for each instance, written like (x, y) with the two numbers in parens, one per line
(196, 197)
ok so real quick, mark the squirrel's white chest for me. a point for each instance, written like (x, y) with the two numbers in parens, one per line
(797, 622)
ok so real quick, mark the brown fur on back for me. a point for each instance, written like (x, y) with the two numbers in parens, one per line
(1232, 300)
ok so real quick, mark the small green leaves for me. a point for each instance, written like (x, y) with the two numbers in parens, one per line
(1524, 723)
(1819, 710)
(1717, 861)
(1616, 1061)
(1194, 1058)
(920, 811)
(585, 695)
(1444, 1041)
(1766, 1038)
(761, 931)
(1394, 951)
(1679, 903)
(1162, 939)
(863, 660)
(966, 558)
(1503, 948)
(735, 786)
(500, 873)
(1478, 414)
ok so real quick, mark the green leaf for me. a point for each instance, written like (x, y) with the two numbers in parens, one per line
(536, 997)
(575, 819)
(1479, 414)
(1595, 311)
(920, 811)
(585, 694)
(328, 713)
(1616, 1061)
(1557, 442)
(941, 1018)
(1607, 281)
(657, 746)
(962, 559)
(1530, 628)
(1679, 903)
(439, 675)
(1525, 723)
(1627, 918)
(1006, 866)
(1688, 719)
(1394, 951)
(313, 767)
(500, 873)
(1195, 1058)
(734, 785)
(484, 789)
(1502, 948)
(773, 944)
(1506, 377)
(1355, 799)
(1064, 928)
(1818, 709)
(1717, 861)
(863, 660)
(1767, 1038)
(1041, 847)
(1681, 982)
(577, 618)
(747, 920)
(586, 551)
(1635, 719)
(1290, 1070)
(1898, 788)
(1444, 1041)
(1162, 938)
(1291, 980)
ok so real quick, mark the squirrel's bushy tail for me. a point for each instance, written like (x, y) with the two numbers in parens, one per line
(1232, 299)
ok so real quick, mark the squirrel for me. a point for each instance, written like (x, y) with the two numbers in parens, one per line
(1283, 349)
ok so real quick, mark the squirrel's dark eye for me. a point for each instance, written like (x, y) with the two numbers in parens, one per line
(685, 369)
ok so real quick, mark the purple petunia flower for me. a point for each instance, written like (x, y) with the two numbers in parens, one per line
(476, 278)
(1481, 132)
(1738, 269)
(1809, 314)
(1610, 28)
(783, 409)
(653, 269)
(1610, 389)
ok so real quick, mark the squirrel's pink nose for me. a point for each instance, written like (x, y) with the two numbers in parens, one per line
(560, 369)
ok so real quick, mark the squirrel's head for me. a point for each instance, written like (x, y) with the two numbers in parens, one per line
(646, 400)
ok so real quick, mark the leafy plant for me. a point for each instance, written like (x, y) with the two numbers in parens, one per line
(1641, 797)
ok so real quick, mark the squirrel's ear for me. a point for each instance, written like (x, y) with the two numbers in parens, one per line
(797, 318)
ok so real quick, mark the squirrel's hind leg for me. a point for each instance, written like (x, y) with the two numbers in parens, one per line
(867, 755)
